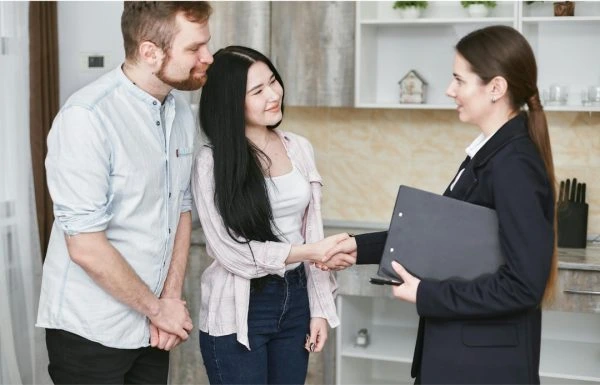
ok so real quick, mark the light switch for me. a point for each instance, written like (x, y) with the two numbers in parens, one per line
(95, 61)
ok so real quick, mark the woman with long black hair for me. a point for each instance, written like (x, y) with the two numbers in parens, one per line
(258, 194)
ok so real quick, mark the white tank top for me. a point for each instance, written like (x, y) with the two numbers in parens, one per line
(289, 195)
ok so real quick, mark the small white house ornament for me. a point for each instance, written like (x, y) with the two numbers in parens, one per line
(413, 88)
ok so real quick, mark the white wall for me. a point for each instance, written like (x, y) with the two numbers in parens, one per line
(86, 28)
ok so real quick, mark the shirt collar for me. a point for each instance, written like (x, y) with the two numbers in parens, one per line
(476, 145)
(138, 92)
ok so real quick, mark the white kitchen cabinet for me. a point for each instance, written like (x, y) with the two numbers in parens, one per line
(387, 47)
(392, 327)
(566, 49)
(570, 348)
(570, 352)
(312, 46)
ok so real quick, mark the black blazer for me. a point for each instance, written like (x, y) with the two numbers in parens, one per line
(488, 330)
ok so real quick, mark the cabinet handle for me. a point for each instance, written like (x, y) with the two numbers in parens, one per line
(575, 291)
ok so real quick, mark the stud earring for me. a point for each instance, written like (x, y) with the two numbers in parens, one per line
(493, 99)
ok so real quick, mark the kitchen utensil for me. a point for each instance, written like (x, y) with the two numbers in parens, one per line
(573, 190)
(572, 212)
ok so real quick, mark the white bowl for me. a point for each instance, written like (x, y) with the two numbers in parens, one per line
(478, 10)
(410, 13)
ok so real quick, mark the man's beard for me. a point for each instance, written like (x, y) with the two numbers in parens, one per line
(190, 84)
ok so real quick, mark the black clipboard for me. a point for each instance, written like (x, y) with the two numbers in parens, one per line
(439, 237)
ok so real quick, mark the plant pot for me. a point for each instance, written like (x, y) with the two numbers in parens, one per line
(564, 8)
(478, 10)
(410, 13)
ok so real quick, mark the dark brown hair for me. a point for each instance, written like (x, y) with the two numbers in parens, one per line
(502, 51)
(155, 21)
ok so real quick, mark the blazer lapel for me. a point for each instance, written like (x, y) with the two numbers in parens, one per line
(511, 130)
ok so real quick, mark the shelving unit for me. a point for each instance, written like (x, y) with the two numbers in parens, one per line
(570, 348)
(570, 352)
(387, 47)
(392, 333)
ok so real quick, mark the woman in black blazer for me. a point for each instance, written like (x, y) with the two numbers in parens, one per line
(487, 331)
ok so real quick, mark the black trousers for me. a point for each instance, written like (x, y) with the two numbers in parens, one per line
(77, 360)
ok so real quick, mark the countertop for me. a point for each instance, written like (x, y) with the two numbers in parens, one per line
(572, 259)
(580, 259)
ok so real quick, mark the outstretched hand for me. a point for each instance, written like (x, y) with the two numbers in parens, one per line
(341, 256)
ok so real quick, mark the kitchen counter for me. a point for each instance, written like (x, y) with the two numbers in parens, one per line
(580, 259)
(579, 272)
(578, 276)
(573, 259)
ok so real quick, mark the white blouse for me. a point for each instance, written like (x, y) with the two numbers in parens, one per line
(289, 195)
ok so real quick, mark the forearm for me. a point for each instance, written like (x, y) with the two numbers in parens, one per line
(370, 247)
(301, 253)
(173, 287)
(314, 252)
(105, 265)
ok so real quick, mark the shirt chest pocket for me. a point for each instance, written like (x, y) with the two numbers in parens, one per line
(183, 167)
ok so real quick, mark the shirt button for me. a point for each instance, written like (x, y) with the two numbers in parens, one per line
(169, 194)
(154, 102)
(169, 230)
(158, 123)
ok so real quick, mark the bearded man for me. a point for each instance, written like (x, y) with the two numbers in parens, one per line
(118, 169)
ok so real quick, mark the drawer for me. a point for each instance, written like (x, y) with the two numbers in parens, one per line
(577, 291)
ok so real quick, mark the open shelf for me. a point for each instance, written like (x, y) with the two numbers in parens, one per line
(563, 19)
(570, 348)
(388, 46)
(365, 371)
(388, 343)
(570, 360)
(406, 106)
(425, 21)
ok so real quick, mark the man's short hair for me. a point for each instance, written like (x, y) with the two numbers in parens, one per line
(155, 21)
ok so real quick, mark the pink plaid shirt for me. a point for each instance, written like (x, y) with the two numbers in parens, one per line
(226, 282)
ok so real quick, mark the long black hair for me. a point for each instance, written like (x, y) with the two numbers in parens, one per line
(240, 188)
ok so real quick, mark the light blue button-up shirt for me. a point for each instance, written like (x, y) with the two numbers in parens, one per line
(112, 168)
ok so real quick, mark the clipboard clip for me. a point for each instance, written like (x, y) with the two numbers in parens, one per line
(379, 281)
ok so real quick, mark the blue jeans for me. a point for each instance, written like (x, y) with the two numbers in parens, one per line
(278, 322)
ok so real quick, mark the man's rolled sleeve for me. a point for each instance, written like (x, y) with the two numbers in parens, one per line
(186, 202)
(78, 171)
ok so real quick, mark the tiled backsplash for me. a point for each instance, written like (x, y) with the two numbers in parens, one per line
(365, 154)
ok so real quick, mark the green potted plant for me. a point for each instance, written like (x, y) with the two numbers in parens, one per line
(478, 8)
(410, 9)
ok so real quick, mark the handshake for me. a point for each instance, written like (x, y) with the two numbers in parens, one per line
(336, 252)
(339, 252)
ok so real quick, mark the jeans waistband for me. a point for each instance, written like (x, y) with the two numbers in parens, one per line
(298, 272)
(296, 275)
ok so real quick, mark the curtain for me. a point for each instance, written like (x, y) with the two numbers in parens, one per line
(22, 349)
(44, 103)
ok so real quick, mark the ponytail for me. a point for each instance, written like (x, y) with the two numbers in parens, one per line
(538, 132)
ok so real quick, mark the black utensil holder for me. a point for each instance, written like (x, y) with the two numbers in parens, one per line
(572, 224)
